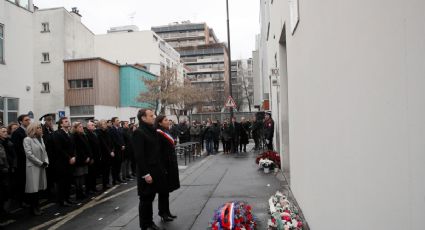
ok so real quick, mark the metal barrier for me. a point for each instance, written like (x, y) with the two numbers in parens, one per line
(188, 150)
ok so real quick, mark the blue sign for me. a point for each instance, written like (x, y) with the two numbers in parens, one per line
(61, 114)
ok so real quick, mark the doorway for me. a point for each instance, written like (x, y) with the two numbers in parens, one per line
(283, 106)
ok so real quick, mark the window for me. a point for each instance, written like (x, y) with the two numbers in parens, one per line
(45, 87)
(81, 84)
(82, 110)
(1, 44)
(46, 58)
(45, 27)
(22, 3)
(8, 109)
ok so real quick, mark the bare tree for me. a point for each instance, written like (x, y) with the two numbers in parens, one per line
(160, 91)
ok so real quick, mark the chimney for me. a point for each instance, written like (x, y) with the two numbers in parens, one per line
(76, 13)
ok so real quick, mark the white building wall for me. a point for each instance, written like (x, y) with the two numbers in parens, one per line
(258, 97)
(137, 47)
(356, 106)
(17, 72)
(68, 38)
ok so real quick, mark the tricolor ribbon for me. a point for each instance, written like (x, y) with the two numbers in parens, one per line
(167, 136)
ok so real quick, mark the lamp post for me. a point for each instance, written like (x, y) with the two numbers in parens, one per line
(230, 56)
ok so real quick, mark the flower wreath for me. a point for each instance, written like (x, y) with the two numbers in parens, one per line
(236, 215)
(284, 216)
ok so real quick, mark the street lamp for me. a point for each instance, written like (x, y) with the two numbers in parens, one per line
(230, 56)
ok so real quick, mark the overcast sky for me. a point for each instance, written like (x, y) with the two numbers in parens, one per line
(99, 15)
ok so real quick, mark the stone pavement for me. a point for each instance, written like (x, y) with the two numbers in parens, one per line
(210, 183)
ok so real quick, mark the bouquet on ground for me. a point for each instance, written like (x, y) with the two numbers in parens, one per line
(270, 155)
(284, 216)
(235, 215)
(266, 163)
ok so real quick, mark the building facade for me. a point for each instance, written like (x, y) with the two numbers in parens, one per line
(132, 84)
(16, 65)
(96, 88)
(138, 47)
(58, 35)
(205, 57)
(243, 84)
(348, 98)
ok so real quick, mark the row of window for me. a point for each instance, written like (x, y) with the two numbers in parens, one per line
(217, 66)
(80, 84)
(44, 27)
(22, 3)
(8, 110)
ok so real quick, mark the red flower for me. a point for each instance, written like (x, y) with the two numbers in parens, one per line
(300, 224)
(287, 218)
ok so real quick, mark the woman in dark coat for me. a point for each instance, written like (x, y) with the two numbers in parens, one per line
(169, 161)
(226, 137)
(83, 157)
(244, 134)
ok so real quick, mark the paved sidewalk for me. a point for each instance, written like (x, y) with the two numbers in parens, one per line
(208, 184)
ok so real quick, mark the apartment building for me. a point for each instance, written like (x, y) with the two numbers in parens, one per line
(205, 57)
(129, 45)
(58, 35)
(16, 59)
(243, 84)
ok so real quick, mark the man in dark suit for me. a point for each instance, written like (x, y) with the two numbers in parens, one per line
(94, 165)
(48, 142)
(18, 141)
(150, 172)
(63, 161)
(119, 146)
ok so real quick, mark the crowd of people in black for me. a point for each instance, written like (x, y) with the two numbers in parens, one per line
(233, 135)
(36, 160)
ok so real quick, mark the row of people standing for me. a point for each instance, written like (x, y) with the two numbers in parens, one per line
(34, 157)
(233, 135)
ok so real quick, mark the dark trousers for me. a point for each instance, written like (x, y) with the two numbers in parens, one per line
(33, 200)
(133, 164)
(227, 146)
(64, 187)
(92, 176)
(256, 141)
(106, 172)
(216, 143)
(163, 203)
(19, 184)
(116, 167)
(79, 182)
(145, 210)
(235, 144)
(270, 144)
(209, 146)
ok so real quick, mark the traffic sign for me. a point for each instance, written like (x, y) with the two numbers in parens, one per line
(61, 114)
(230, 102)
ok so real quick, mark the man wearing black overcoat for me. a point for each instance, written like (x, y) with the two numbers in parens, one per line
(18, 142)
(150, 171)
(119, 147)
(63, 161)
